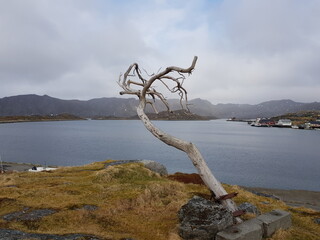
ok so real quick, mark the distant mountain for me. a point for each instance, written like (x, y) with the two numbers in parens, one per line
(46, 105)
(265, 109)
(23, 105)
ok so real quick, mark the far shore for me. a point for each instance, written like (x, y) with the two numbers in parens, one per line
(294, 198)
(19, 167)
(177, 115)
(39, 118)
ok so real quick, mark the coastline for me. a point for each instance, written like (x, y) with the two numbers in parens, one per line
(294, 198)
(17, 167)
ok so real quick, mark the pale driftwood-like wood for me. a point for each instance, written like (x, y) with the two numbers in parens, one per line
(144, 89)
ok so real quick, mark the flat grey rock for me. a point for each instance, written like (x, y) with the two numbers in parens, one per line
(9, 234)
(28, 215)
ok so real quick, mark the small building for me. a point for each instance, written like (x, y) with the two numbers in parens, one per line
(263, 122)
(266, 122)
(284, 123)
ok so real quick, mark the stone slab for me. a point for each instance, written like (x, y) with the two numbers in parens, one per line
(248, 230)
(274, 221)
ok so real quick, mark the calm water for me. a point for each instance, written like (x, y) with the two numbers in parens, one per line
(235, 152)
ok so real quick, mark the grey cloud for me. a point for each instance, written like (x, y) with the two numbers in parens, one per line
(248, 50)
(270, 27)
(271, 46)
(44, 42)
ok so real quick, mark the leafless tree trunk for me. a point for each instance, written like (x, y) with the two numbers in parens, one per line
(143, 89)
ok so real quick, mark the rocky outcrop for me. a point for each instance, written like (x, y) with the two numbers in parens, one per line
(155, 167)
(203, 219)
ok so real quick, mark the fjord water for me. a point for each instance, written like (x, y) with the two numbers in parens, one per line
(235, 152)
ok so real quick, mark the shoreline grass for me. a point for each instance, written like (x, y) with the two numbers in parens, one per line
(131, 201)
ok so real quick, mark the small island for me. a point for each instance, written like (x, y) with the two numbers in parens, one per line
(178, 115)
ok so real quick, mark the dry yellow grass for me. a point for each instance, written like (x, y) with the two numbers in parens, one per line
(132, 202)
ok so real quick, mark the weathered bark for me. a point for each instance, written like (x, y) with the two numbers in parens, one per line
(189, 148)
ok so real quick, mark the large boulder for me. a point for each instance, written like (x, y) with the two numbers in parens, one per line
(249, 208)
(155, 167)
(203, 219)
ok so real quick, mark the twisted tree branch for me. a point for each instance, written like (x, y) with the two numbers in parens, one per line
(145, 89)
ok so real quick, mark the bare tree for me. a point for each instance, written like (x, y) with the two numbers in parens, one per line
(142, 87)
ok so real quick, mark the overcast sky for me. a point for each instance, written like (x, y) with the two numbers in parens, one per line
(249, 51)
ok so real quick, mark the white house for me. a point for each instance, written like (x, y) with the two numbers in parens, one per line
(41, 169)
(284, 122)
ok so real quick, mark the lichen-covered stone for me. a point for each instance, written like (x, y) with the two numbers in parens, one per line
(203, 219)
(249, 208)
(155, 167)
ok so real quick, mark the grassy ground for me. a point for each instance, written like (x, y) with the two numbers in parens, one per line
(132, 202)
